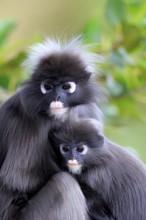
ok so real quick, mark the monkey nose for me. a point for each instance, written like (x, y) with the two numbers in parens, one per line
(73, 162)
(57, 98)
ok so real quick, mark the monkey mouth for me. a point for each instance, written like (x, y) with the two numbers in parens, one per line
(57, 108)
(56, 105)
(74, 168)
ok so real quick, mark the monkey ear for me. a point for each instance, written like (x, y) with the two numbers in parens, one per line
(100, 140)
(86, 76)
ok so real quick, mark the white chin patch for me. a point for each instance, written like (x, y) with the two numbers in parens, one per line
(57, 108)
(74, 167)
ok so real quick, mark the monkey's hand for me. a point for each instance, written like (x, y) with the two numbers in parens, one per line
(20, 200)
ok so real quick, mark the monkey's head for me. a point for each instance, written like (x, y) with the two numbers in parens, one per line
(78, 145)
(61, 77)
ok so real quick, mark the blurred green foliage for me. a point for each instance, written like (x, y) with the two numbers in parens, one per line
(10, 71)
(11, 59)
(121, 34)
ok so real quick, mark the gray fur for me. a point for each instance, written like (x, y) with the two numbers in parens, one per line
(85, 111)
(57, 193)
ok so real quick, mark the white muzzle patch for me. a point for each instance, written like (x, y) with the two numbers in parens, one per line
(74, 167)
(57, 108)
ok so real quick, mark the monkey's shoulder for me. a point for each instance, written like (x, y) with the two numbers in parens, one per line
(11, 106)
(122, 154)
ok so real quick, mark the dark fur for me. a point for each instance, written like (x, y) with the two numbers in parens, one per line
(26, 163)
(56, 201)
(112, 178)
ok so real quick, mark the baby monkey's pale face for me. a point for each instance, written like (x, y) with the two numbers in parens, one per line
(74, 156)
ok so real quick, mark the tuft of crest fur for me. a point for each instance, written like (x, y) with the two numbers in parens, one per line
(74, 46)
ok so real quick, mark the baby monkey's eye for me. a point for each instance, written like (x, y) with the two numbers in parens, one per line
(45, 87)
(69, 86)
(82, 149)
(66, 86)
(64, 149)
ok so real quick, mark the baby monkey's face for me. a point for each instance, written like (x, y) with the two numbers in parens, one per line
(79, 145)
(74, 156)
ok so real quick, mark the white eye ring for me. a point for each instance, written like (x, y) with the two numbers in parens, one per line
(43, 89)
(72, 87)
(82, 149)
(69, 87)
(64, 149)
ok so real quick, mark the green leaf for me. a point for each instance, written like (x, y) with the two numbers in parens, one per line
(126, 56)
(115, 11)
(137, 11)
(116, 59)
(4, 79)
(11, 74)
(6, 27)
(132, 36)
(114, 87)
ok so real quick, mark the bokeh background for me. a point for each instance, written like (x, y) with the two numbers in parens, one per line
(119, 29)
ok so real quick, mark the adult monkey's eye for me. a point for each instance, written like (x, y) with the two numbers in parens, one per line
(82, 149)
(64, 149)
(45, 87)
(69, 86)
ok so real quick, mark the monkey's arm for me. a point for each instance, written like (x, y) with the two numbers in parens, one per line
(8, 115)
(8, 196)
(16, 162)
(98, 208)
(60, 199)
(11, 203)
